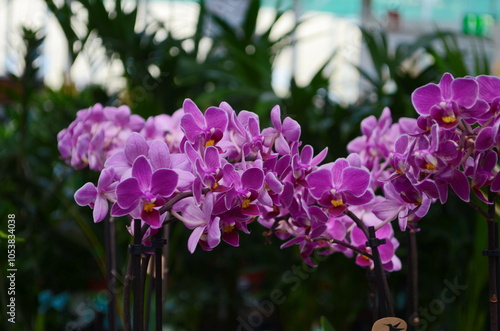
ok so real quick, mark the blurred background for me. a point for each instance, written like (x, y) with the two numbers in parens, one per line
(328, 64)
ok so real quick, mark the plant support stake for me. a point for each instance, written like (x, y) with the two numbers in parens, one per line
(493, 252)
(109, 242)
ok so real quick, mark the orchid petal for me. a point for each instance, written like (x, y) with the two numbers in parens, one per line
(194, 238)
(135, 146)
(86, 194)
(423, 98)
(164, 182)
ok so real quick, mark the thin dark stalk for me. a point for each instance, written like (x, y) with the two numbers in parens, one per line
(412, 290)
(498, 266)
(148, 302)
(358, 222)
(112, 243)
(109, 230)
(492, 263)
(136, 269)
(385, 298)
(372, 295)
(347, 245)
(385, 303)
(144, 272)
(164, 276)
(478, 209)
(157, 280)
(126, 296)
(170, 203)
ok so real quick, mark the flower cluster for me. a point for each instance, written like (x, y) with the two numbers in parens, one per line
(98, 132)
(217, 171)
(452, 144)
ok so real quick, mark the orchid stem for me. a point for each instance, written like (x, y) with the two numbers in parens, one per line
(126, 296)
(136, 270)
(168, 206)
(358, 222)
(109, 243)
(347, 245)
(158, 283)
(413, 280)
(385, 303)
(492, 262)
(480, 210)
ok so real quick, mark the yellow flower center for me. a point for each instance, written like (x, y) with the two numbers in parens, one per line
(337, 203)
(215, 186)
(228, 228)
(148, 207)
(449, 119)
(245, 203)
(430, 166)
(211, 142)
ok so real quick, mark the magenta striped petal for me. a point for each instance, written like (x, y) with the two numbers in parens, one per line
(337, 172)
(355, 180)
(191, 108)
(445, 86)
(143, 172)
(465, 91)
(135, 146)
(291, 129)
(152, 218)
(100, 209)
(216, 118)
(460, 185)
(423, 98)
(128, 193)
(190, 127)
(214, 233)
(276, 117)
(194, 238)
(164, 182)
(86, 194)
(159, 155)
(488, 87)
(253, 178)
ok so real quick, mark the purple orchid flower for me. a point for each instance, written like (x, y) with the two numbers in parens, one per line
(450, 100)
(166, 128)
(375, 143)
(406, 203)
(206, 227)
(98, 197)
(482, 173)
(304, 163)
(146, 190)
(206, 128)
(283, 133)
(96, 134)
(340, 184)
(244, 189)
(488, 136)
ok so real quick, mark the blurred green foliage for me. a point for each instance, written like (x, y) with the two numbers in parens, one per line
(62, 250)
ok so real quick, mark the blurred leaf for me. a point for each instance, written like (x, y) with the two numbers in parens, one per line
(325, 324)
(6, 236)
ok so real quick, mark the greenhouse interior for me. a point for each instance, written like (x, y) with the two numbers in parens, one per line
(273, 165)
